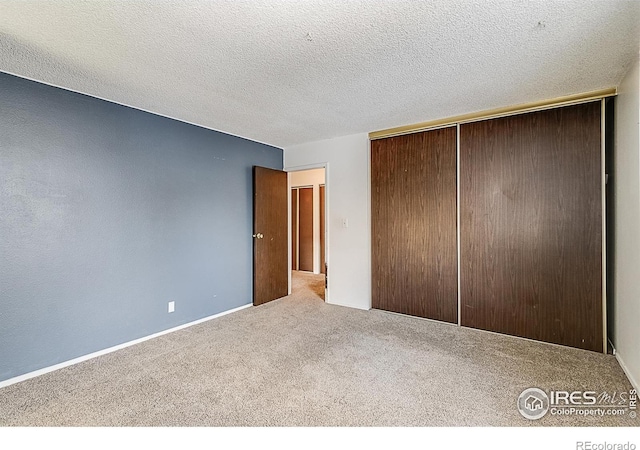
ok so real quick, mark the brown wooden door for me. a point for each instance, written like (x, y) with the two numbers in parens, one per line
(531, 226)
(294, 229)
(323, 268)
(305, 229)
(413, 215)
(270, 254)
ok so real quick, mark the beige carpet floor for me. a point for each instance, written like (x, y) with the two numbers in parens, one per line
(298, 361)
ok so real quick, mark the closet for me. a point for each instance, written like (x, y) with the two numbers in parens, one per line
(495, 224)
(302, 228)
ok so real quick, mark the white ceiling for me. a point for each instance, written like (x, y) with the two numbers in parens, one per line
(285, 72)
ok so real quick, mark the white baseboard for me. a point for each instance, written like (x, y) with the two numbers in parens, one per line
(328, 302)
(628, 373)
(80, 359)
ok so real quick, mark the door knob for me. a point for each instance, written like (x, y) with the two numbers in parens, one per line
(258, 235)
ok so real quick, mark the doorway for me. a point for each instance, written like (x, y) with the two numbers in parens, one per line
(308, 256)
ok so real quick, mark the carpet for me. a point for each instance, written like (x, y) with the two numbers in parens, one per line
(298, 361)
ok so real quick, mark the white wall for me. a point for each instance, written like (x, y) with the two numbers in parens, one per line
(627, 225)
(313, 178)
(347, 197)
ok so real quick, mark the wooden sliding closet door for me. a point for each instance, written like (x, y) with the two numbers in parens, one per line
(413, 214)
(323, 265)
(294, 229)
(531, 226)
(305, 220)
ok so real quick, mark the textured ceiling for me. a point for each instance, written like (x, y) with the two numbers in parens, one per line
(287, 72)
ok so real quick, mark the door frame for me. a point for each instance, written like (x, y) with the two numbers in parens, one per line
(327, 240)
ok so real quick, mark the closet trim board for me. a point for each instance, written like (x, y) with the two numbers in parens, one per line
(459, 274)
(506, 111)
(603, 187)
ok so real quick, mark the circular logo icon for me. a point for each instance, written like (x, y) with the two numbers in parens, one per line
(533, 403)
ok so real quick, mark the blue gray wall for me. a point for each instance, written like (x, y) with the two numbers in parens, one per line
(107, 214)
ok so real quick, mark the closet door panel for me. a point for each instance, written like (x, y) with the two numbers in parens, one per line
(413, 213)
(531, 226)
(294, 229)
(305, 229)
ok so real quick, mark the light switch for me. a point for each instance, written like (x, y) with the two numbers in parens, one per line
(345, 223)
